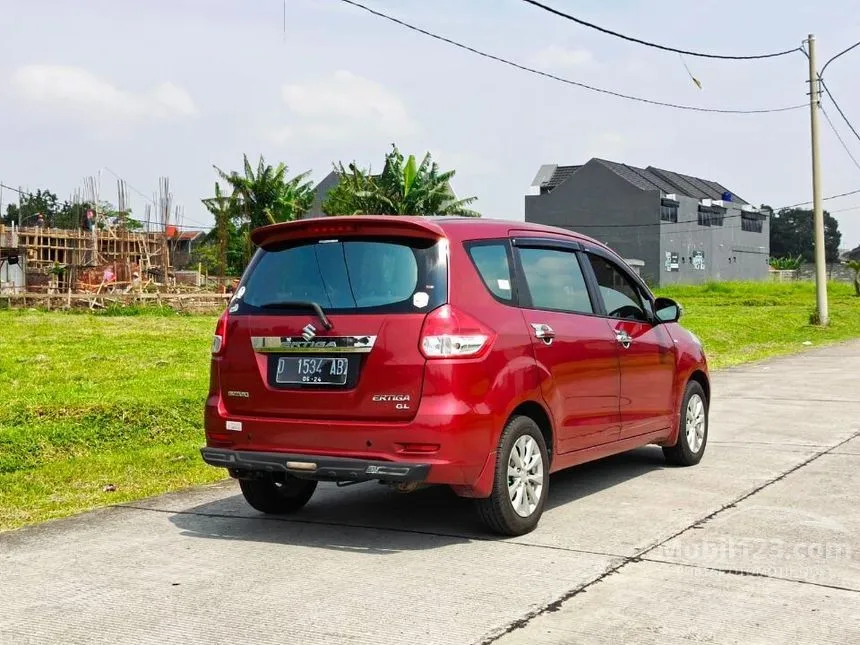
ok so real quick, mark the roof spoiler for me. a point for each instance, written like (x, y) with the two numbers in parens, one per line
(339, 226)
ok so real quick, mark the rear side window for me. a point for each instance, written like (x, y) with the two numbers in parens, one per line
(555, 280)
(361, 275)
(491, 261)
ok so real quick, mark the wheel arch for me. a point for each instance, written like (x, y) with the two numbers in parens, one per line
(698, 376)
(537, 413)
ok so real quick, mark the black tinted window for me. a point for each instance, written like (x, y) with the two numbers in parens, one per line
(491, 260)
(348, 275)
(620, 295)
(555, 281)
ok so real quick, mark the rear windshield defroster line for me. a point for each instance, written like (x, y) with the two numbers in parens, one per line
(355, 275)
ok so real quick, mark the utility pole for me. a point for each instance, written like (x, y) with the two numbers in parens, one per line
(818, 217)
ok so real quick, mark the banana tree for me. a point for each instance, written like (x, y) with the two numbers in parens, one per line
(267, 196)
(404, 187)
(223, 209)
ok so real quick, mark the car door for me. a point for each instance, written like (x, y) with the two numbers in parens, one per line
(576, 352)
(647, 351)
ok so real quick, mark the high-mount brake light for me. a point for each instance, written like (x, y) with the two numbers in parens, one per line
(331, 229)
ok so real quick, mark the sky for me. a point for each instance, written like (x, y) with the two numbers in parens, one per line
(145, 89)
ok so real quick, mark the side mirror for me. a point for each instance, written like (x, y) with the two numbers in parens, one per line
(667, 310)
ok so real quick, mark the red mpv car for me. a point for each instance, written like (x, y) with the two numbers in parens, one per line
(479, 354)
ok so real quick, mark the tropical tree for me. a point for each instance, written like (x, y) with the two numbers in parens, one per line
(404, 187)
(267, 196)
(855, 265)
(224, 209)
(792, 235)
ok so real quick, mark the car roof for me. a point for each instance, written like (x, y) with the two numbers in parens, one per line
(455, 228)
(464, 228)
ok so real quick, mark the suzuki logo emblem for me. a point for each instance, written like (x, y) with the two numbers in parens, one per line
(309, 332)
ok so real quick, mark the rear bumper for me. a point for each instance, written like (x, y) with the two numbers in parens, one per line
(316, 467)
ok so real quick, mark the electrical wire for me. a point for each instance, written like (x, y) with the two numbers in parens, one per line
(839, 109)
(845, 210)
(639, 41)
(560, 79)
(660, 223)
(129, 185)
(844, 51)
(17, 190)
(824, 199)
(199, 225)
(839, 137)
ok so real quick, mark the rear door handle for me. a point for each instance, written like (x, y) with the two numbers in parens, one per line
(544, 332)
(623, 338)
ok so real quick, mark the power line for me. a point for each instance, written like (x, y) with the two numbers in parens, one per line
(702, 226)
(647, 224)
(844, 51)
(839, 137)
(845, 210)
(824, 199)
(839, 109)
(200, 226)
(129, 185)
(554, 77)
(639, 41)
(17, 190)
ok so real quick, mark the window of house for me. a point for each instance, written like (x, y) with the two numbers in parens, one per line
(620, 294)
(711, 215)
(669, 211)
(751, 223)
(555, 281)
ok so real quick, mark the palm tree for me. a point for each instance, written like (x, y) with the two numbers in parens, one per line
(267, 196)
(403, 188)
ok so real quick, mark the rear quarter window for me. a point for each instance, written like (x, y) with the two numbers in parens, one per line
(356, 275)
(492, 263)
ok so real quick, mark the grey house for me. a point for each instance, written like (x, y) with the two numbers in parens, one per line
(680, 228)
(321, 191)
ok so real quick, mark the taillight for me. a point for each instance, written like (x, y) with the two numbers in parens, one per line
(219, 340)
(450, 333)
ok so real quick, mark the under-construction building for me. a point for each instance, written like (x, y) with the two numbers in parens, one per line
(102, 254)
(56, 260)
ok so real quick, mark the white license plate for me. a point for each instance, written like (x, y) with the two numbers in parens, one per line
(312, 371)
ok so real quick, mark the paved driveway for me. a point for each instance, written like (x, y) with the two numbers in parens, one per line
(758, 544)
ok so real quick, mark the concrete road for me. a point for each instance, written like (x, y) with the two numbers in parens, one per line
(758, 544)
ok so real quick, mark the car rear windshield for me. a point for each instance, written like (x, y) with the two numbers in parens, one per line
(348, 276)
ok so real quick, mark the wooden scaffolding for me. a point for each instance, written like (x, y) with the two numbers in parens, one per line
(62, 259)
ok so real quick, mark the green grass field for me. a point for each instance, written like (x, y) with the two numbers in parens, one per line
(89, 401)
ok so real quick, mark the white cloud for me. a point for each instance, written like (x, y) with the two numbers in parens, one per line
(344, 106)
(557, 57)
(67, 89)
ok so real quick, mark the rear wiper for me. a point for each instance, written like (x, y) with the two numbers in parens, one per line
(301, 304)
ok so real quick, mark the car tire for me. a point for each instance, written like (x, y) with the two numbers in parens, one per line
(692, 428)
(511, 509)
(274, 497)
